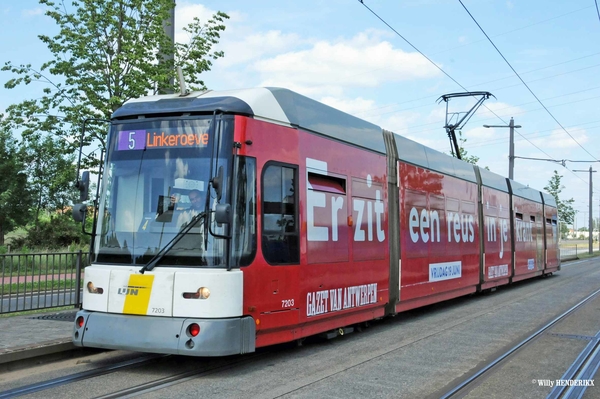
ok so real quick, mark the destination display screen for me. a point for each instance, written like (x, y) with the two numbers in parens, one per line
(131, 140)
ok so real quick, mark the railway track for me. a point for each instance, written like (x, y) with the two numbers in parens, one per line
(582, 369)
(520, 293)
(69, 379)
(143, 361)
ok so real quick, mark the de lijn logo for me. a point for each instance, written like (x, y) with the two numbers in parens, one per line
(130, 290)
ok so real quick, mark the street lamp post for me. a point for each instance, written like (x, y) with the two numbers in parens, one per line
(511, 146)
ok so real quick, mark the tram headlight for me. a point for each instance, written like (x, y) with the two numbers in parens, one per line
(92, 289)
(202, 293)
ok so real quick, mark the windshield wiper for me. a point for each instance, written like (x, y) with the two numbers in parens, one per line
(160, 254)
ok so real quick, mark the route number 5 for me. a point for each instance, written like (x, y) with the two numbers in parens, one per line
(131, 140)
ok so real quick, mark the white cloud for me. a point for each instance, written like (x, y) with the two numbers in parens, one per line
(185, 13)
(351, 107)
(560, 139)
(241, 43)
(480, 133)
(254, 46)
(31, 12)
(363, 61)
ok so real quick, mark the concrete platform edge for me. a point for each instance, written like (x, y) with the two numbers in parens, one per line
(41, 349)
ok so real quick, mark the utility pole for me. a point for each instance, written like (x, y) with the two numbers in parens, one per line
(511, 145)
(169, 29)
(591, 219)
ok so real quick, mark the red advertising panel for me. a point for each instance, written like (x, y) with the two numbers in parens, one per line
(342, 276)
(529, 244)
(439, 234)
(496, 237)
(552, 236)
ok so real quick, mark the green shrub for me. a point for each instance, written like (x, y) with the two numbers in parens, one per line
(56, 232)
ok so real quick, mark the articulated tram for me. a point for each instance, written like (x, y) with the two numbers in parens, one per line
(310, 221)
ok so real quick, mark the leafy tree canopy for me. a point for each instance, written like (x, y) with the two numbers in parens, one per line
(464, 154)
(105, 53)
(15, 197)
(566, 213)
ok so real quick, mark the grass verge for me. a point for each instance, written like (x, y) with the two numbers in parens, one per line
(38, 311)
(38, 286)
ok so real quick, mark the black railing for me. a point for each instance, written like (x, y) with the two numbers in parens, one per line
(40, 281)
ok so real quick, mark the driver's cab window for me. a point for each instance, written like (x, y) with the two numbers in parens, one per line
(174, 195)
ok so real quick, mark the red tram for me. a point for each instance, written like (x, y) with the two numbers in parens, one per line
(311, 220)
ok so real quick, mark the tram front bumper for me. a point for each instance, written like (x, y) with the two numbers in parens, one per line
(217, 337)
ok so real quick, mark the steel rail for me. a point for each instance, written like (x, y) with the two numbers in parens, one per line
(179, 378)
(536, 334)
(583, 368)
(56, 382)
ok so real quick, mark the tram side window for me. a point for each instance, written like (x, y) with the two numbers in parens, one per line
(280, 241)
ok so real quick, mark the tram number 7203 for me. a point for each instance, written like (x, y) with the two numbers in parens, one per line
(287, 303)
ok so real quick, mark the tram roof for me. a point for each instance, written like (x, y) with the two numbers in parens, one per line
(526, 192)
(549, 199)
(492, 180)
(272, 104)
(283, 106)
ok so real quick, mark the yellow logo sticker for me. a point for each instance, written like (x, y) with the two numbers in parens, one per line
(137, 293)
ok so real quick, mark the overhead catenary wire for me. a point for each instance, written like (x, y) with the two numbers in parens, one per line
(444, 72)
(487, 82)
(506, 77)
(522, 81)
(508, 108)
(460, 85)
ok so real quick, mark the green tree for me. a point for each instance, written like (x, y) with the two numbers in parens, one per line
(51, 172)
(15, 197)
(566, 213)
(464, 155)
(106, 52)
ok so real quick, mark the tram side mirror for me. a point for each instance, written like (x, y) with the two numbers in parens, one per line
(217, 183)
(79, 211)
(223, 213)
(83, 186)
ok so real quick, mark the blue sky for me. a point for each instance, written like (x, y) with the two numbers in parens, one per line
(340, 53)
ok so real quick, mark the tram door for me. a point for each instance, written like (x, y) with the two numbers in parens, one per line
(271, 292)
(280, 242)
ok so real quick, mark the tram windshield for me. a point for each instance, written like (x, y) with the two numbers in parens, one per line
(156, 182)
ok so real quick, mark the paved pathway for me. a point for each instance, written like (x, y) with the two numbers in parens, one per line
(14, 279)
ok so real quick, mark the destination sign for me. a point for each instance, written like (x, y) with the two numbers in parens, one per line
(154, 139)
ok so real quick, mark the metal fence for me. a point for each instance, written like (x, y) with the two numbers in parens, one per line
(569, 252)
(40, 281)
